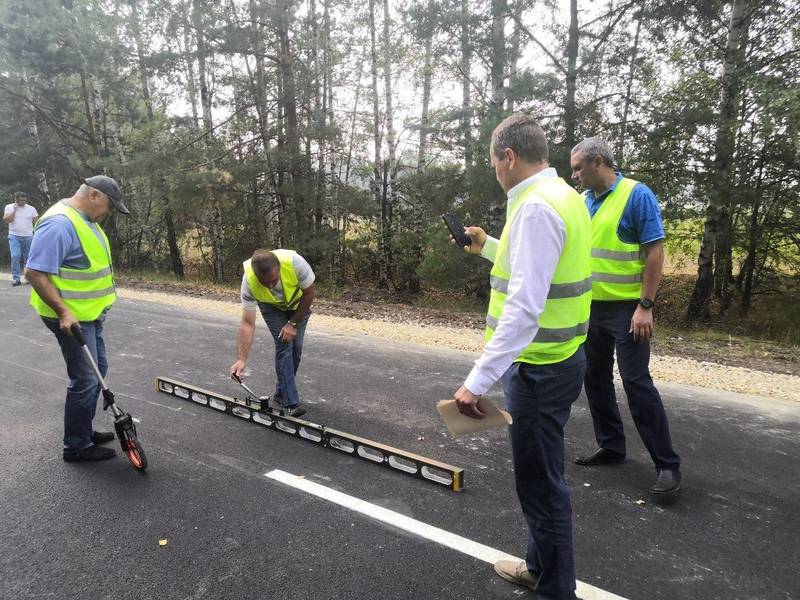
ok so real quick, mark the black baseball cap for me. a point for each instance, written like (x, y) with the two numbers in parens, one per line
(110, 188)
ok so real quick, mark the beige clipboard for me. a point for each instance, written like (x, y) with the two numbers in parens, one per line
(460, 424)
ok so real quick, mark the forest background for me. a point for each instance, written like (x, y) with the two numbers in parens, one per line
(344, 129)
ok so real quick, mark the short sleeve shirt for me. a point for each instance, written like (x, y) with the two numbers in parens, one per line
(55, 244)
(22, 225)
(305, 277)
(641, 220)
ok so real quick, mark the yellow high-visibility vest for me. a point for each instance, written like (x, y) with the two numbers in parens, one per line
(617, 266)
(89, 292)
(565, 319)
(291, 290)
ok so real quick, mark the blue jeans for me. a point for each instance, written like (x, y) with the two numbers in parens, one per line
(609, 329)
(287, 354)
(20, 246)
(539, 398)
(83, 388)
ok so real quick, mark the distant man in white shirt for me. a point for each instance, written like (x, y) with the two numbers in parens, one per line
(536, 325)
(280, 284)
(20, 217)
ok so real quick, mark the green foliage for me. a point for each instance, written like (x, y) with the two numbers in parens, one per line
(115, 86)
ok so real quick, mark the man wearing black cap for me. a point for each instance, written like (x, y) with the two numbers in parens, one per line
(71, 274)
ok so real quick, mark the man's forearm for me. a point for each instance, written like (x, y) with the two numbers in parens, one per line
(654, 265)
(9, 217)
(47, 291)
(245, 341)
(305, 303)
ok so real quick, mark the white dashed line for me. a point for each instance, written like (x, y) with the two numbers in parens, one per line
(429, 532)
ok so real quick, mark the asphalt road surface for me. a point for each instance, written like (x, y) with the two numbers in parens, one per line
(91, 531)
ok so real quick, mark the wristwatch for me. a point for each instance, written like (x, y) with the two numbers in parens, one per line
(293, 324)
(646, 303)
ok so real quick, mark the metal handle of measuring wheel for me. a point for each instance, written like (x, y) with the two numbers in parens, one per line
(77, 333)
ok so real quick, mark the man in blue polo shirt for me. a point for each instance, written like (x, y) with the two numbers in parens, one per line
(66, 242)
(627, 261)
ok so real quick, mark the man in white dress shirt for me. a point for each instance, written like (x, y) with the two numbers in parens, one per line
(536, 325)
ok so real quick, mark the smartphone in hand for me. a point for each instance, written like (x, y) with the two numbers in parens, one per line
(457, 230)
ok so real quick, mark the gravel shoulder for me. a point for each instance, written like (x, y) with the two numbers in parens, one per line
(766, 370)
(463, 332)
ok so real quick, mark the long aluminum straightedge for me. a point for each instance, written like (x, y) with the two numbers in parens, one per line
(250, 409)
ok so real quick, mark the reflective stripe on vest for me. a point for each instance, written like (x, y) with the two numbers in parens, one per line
(289, 282)
(565, 319)
(617, 266)
(89, 292)
(557, 290)
(83, 275)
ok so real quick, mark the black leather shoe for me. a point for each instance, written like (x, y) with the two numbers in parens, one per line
(296, 411)
(88, 454)
(102, 437)
(600, 457)
(668, 482)
(16, 283)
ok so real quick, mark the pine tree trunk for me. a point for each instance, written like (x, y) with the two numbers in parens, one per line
(191, 82)
(291, 131)
(202, 55)
(91, 125)
(466, 103)
(570, 107)
(136, 30)
(377, 187)
(33, 128)
(172, 239)
(214, 212)
(748, 266)
(318, 118)
(716, 243)
(427, 74)
(391, 143)
(514, 50)
(626, 105)
(498, 64)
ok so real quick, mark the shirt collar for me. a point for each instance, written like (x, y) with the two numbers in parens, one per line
(516, 192)
(604, 195)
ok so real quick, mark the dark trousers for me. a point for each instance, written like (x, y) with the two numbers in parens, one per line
(539, 399)
(287, 354)
(83, 389)
(609, 329)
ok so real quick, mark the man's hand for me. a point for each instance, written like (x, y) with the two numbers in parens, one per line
(65, 322)
(478, 237)
(237, 369)
(642, 324)
(287, 333)
(467, 403)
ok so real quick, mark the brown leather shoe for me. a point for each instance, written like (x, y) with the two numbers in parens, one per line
(516, 572)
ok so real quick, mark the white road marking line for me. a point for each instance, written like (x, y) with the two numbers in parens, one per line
(429, 532)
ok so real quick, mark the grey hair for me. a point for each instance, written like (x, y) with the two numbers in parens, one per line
(522, 134)
(594, 147)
